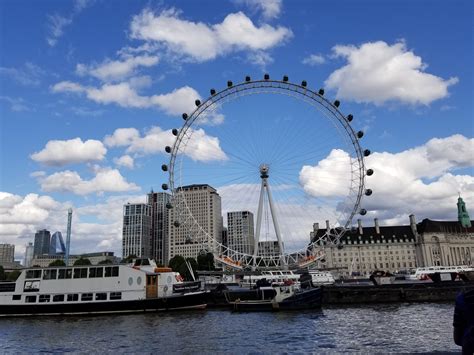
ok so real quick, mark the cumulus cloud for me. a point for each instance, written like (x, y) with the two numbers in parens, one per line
(200, 42)
(118, 69)
(125, 160)
(27, 75)
(314, 59)
(105, 180)
(122, 137)
(378, 72)
(73, 151)
(125, 95)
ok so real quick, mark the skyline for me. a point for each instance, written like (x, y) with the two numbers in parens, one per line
(87, 99)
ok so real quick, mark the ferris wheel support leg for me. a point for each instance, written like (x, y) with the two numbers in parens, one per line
(275, 224)
(259, 225)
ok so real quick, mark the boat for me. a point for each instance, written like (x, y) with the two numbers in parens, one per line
(319, 277)
(272, 276)
(275, 297)
(99, 289)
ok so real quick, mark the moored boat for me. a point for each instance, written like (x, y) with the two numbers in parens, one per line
(94, 289)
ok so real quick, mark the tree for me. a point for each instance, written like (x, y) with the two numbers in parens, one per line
(57, 262)
(12, 276)
(2, 273)
(206, 261)
(82, 261)
(129, 259)
(105, 262)
(175, 262)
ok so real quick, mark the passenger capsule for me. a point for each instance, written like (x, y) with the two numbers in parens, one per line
(185, 116)
(198, 103)
(363, 212)
(247, 78)
(176, 224)
(213, 92)
(229, 84)
(169, 205)
(368, 192)
(340, 246)
(360, 134)
(174, 131)
(366, 153)
(304, 83)
(168, 149)
(370, 172)
(164, 187)
(164, 167)
(321, 92)
(266, 77)
(285, 78)
(349, 118)
(337, 103)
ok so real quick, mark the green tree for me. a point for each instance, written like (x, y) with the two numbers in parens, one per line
(105, 262)
(205, 261)
(129, 259)
(176, 262)
(12, 276)
(2, 273)
(82, 261)
(57, 262)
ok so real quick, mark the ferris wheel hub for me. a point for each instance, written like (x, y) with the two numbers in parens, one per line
(264, 169)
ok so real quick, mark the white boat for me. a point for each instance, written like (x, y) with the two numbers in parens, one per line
(98, 289)
(441, 269)
(271, 276)
(319, 277)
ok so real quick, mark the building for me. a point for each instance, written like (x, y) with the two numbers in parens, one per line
(136, 230)
(240, 232)
(204, 205)
(42, 242)
(29, 253)
(94, 258)
(393, 248)
(7, 254)
(268, 248)
(159, 225)
(57, 242)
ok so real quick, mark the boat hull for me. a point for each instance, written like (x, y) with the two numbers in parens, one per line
(185, 301)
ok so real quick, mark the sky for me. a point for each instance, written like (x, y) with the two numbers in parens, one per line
(90, 89)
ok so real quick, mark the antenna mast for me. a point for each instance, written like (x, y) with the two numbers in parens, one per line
(68, 236)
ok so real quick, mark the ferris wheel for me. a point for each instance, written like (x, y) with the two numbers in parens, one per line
(281, 157)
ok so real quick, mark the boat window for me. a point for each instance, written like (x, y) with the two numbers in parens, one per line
(50, 274)
(99, 272)
(44, 298)
(16, 297)
(72, 297)
(115, 271)
(30, 299)
(92, 272)
(100, 296)
(80, 273)
(108, 271)
(31, 286)
(58, 298)
(115, 295)
(33, 274)
(64, 273)
(86, 297)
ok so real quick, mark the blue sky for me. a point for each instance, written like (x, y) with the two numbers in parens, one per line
(72, 73)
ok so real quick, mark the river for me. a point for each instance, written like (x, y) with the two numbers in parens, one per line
(396, 328)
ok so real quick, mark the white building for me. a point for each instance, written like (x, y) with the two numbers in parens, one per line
(204, 204)
(7, 254)
(240, 232)
(29, 251)
(136, 230)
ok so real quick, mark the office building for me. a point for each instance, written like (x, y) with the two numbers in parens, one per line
(29, 253)
(203, 203)
(136, 230)
(159, 225)
(7, 254)
(42, 242)
(240, 232)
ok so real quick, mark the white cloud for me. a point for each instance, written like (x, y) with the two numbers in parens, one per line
(117, 69)
(270, 9)
(377, 72)
(121, 137)
(125, 161)
(28, 75)
(314, 59)
(16, 104)
(105, 180)
(124, 94)
(201, 42)
(60, 153)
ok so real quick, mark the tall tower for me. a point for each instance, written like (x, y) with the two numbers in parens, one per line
(159, 225)
(240, 231)
(29, 249)
(463, 216)
(136, 232)
(42, 242)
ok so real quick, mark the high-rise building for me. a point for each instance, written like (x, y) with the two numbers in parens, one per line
(29, 253)
(240, 231)
(159, 225)
(42, 242)
(204, 204)
(136, 231)
(7, 254)
(57, 242)
(268, 248)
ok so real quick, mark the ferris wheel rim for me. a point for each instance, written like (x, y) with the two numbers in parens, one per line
(316, 99)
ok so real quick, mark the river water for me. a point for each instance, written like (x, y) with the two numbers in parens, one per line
(395, 328)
